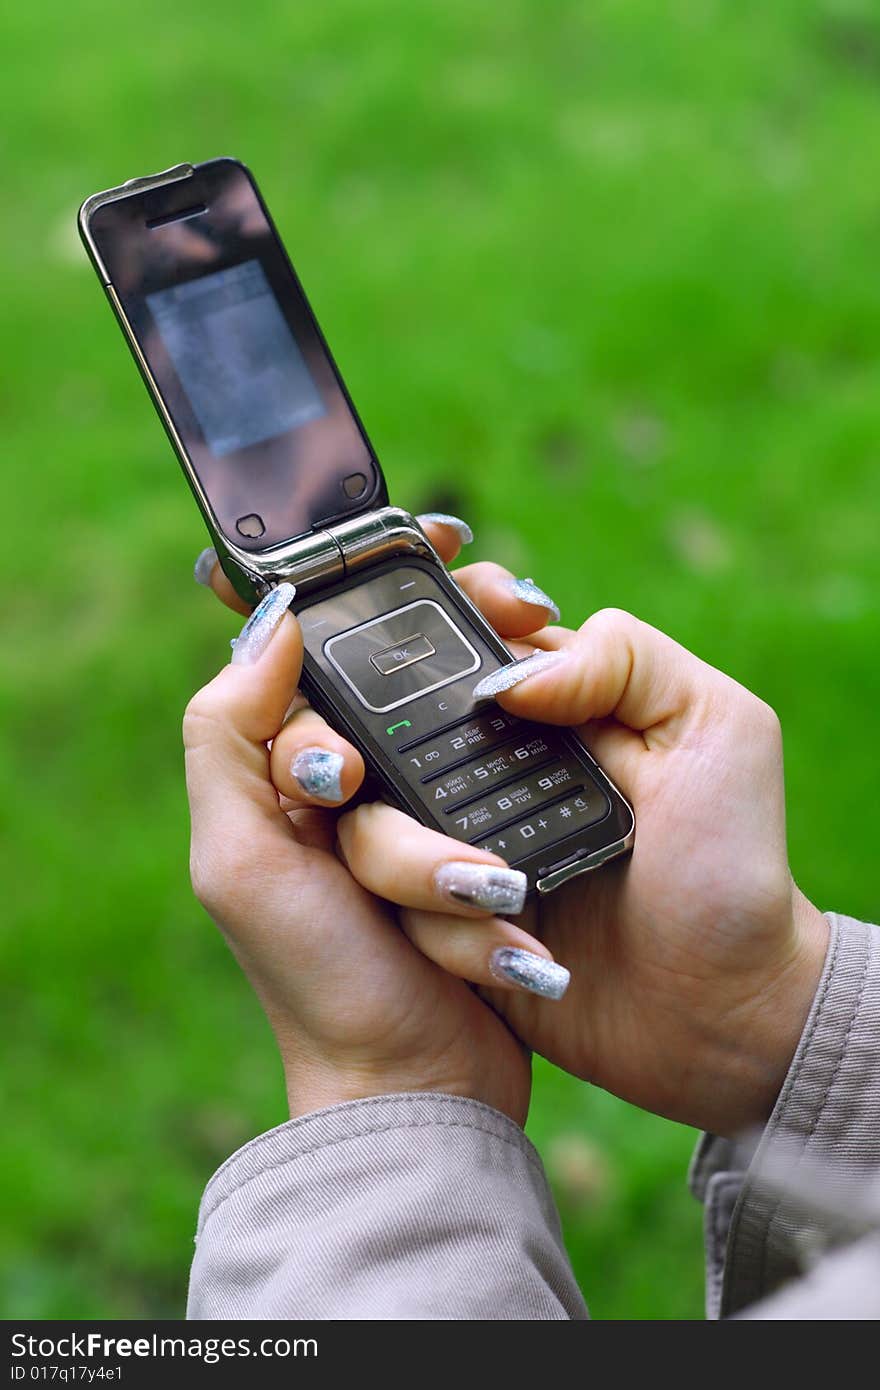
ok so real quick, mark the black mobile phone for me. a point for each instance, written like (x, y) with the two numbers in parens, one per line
(291, 489)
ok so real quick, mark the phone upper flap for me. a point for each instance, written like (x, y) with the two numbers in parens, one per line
(232, 353)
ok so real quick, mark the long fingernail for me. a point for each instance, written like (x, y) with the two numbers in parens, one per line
(319, 773)
(465, 534)
(530, 972)
(204, 567)
(260, 627)
(486, 886)
(508, 676)
(528, 591)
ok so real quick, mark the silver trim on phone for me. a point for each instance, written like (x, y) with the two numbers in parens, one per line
(316, 559)
(589, 861)
(124, 190)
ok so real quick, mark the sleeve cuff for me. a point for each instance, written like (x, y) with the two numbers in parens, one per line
(826, 1114)
(395, 1207)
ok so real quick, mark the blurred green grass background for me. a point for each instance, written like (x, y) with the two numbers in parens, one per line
(603, 277)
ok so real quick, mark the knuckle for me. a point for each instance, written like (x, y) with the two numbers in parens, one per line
(219, 874)
(365, 834)
(207, 716)
(769, 720)
(753, 718)
(354, 835)
(366, 820)
(207, 882)
(605, 647)
(199, 718)
(488, 572)
(611, 620)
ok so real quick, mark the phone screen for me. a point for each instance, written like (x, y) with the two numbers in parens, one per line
(236, 356)
(237, 360)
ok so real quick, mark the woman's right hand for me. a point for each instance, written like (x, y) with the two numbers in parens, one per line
(693, 964)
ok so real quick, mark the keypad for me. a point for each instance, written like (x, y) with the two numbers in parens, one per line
(476, 817)
(453, 746)
(499, 765)
(547, 824)
(482, 775)
(507, 797)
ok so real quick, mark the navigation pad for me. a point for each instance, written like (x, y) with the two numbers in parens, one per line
(527, 792)
(401, 655)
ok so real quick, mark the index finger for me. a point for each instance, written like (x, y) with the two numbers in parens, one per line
(207, 571)
(446, 533)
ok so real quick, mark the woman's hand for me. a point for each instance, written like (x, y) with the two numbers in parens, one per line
(693, 964)
(357, 1009)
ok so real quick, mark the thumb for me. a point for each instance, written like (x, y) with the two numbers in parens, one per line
(615, 665)
(229, 723)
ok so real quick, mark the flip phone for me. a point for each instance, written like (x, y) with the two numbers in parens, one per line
(291, 489)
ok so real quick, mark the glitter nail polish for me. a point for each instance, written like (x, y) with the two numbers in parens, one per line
(319, 773)
(508, 676)
(529, 592)
(261, 626)
(486, 886)
(533, 973)
(465, 534)
(204, 567)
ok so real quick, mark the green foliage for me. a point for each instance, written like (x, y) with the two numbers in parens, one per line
(603, 278)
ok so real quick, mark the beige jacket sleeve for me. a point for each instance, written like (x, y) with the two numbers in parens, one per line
(812, 1181)
(432, 1207)
(400, 1207)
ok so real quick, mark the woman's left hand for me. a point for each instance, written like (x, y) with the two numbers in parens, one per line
(357, 1009)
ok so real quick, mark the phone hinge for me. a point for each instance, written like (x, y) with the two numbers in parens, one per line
(366, 540)
(324, 557)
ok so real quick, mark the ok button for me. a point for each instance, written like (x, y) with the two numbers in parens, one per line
(405, 653)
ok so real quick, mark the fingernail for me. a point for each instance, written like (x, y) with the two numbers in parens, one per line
(260, 627)
(508, 676)
(529, 972)
(204, 567)
(486, 886)
(319, 773)
(465, 534)
(528, 591)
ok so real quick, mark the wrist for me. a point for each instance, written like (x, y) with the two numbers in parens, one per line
(762, 1035)
(317, 1086)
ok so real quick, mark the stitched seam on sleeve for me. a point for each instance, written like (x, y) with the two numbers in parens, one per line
(377, 1129)
(804, 1046)
(717, 1225)
(366, 1103)
(731, 1279)
(811, 1132)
